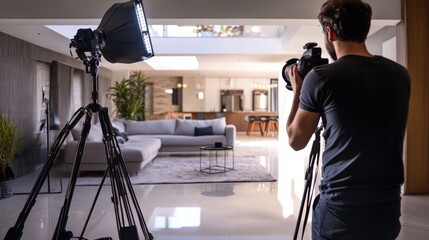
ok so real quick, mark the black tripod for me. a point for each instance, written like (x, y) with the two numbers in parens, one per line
(122, 190)
(309, 183)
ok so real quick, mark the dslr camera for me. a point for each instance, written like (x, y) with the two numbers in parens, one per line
(87, 43)
(310, 59)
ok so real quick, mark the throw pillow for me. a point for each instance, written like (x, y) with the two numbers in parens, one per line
(201, 131)
(120, 139)
(122, 135)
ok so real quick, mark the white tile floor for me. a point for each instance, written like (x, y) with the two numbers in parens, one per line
(263, 211)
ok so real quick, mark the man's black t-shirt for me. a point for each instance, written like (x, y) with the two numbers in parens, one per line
(363, 102)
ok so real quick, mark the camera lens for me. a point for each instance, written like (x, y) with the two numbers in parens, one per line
(311, 58)
(286, 72)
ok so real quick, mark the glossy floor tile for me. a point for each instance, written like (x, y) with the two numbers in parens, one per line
(224, 211)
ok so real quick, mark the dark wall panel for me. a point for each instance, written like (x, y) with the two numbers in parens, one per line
(18, 95)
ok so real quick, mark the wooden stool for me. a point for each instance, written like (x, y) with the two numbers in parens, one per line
(272, 122)
(255, 120)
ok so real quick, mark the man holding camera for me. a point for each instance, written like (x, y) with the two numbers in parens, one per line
(362, 100)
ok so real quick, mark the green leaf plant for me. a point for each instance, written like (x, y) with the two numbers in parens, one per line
(9, 143)
(129, 97)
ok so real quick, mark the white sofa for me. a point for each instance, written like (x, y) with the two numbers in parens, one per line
(147, 138)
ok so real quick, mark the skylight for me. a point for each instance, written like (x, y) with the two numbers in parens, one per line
(173, 62)
(192, 31)
(217, 31)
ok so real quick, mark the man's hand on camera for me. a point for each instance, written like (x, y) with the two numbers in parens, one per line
(295, 80)
(301, 123)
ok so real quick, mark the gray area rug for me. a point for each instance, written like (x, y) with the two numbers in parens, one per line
(186, 169)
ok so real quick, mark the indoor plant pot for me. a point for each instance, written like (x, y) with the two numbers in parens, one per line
(9, 142)
(6, 187)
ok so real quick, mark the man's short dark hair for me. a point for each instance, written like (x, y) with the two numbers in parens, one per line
(350, 19)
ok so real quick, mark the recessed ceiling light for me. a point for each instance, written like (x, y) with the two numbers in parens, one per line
(173, 62)
(256, 29)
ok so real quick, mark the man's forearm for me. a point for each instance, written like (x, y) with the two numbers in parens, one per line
(293, 110)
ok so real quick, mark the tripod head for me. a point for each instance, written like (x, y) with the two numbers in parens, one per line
(88, 44)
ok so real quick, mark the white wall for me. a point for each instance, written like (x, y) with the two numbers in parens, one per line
(389, 49)
(292, 164)
(376, 41)
(190, 101)
(118, 76)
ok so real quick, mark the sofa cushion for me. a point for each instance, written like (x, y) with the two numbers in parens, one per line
(143, 150)
(75, 132)
(187, 127)
(95, 133)
(150, 127)
(201, 131)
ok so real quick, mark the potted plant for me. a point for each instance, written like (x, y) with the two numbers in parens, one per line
(129, 97)
(9, 146)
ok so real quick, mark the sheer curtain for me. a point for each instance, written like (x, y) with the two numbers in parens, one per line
(61, 93)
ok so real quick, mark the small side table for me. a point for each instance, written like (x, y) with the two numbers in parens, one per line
(217, 159)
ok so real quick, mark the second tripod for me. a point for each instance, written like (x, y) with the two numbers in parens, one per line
(310, 182)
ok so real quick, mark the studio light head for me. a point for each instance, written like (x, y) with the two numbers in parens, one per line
(125, 33)
(122, 36)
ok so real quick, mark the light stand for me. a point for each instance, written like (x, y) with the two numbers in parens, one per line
(48, 143)
(122, 37)
(47, 124)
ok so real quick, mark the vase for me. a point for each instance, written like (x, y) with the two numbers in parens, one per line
(6, 189)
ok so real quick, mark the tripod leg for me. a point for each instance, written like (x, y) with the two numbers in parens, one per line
(301, 208)
(15, 233)
(93, 204)
(60, 232)
(121, 185)
(309, 185)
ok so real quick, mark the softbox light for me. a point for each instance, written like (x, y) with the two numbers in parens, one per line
(125, 34)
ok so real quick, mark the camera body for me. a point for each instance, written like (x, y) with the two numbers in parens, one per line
(311, 58)
(87, 44)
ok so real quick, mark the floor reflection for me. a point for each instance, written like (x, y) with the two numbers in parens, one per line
(223, 211)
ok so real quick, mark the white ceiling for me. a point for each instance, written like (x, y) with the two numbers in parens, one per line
(217, 57)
